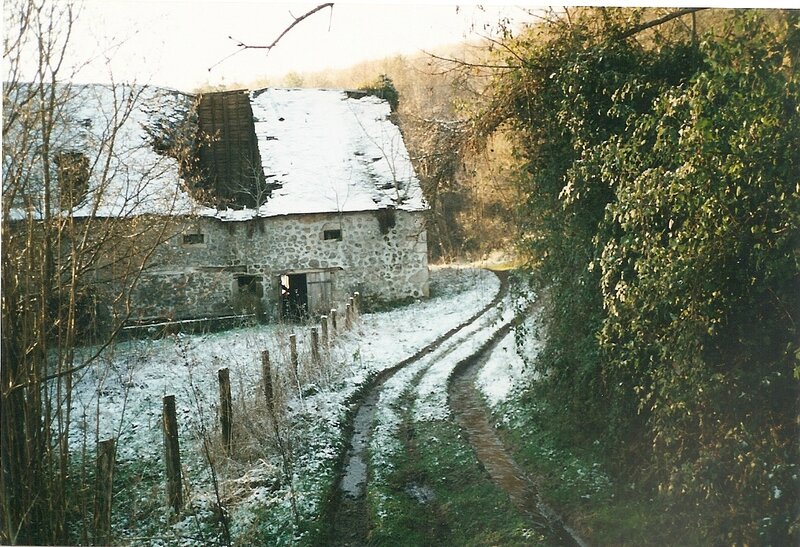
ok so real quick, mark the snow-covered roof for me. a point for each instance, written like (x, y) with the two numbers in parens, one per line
(321, 151)
(330, 152)
(108, 125)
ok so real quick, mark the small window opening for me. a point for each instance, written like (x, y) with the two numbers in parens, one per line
(248, 283)
(334, 235)
(194, 239)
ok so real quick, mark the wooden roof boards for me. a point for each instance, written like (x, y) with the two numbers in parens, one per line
(228, 154)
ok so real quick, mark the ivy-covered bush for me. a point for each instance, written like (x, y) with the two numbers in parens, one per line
(384, 88)
(663, 215)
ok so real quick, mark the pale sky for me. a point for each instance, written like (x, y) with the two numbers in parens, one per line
(173, 43)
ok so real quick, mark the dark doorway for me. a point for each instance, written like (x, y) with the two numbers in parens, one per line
(294, 297)
(248, 295)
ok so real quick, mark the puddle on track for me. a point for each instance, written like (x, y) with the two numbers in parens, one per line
(349, 528)
(354, 481)
(470, 411)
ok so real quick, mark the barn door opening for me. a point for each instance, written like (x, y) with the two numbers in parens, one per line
(294, 297)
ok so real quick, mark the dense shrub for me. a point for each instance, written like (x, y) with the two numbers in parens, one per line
(662, 215)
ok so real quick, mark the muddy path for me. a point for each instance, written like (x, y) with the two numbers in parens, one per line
(472, 415)
(348, 518)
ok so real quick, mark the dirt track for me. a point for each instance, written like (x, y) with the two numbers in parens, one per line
(349, 520)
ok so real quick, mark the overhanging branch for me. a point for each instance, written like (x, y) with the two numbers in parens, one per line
(242, 46)
(660, 21)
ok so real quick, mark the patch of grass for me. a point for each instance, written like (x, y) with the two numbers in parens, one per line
(605, 510)
(271, 520)
(140, 509)
(479, 512)
(439, 494)
(395, 517)
(271, 523)
(139, 496)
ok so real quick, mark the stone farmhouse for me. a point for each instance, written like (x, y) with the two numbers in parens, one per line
(282, 201)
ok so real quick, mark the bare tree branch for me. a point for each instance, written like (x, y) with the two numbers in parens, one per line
(660, 21)
(242, 46)
(526, 64)
(461, 62)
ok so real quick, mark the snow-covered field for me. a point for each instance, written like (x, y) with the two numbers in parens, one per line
(121, 396)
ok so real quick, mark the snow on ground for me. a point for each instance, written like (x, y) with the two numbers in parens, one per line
(398, 334)
(505, 371)
(431, 392)
(121, 394)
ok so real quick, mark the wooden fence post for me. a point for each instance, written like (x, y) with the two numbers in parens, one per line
(225, 407)
(353, 309)
(315, 346)
(104, 491)
(348, 316)
(266, 375)
(357, 303)
(323, 323)
(333, 322)
(172, 455)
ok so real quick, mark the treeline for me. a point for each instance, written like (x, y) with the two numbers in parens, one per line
(659, 214)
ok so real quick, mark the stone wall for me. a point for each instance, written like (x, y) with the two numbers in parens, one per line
(214, 268)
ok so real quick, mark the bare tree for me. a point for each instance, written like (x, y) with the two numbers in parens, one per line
(79, 225)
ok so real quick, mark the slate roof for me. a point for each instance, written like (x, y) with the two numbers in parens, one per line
(127, 179)
(321, 151)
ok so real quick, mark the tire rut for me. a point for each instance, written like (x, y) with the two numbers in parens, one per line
(472, 415)
(349, 520)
